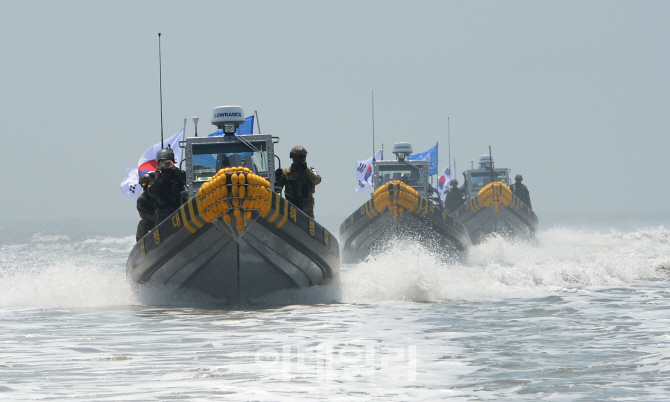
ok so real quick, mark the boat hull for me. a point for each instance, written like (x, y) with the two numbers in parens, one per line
(368, 231)
(511, 220)
(281, 249)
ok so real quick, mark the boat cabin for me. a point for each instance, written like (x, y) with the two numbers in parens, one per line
(476, 179)
(204, 156)
(413, 173)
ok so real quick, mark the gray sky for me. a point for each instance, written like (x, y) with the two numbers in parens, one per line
(573, 95)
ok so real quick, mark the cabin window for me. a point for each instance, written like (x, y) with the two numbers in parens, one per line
(210, 158)
(481, 179)
(413, 175)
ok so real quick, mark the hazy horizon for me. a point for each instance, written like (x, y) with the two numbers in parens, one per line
(572, 95)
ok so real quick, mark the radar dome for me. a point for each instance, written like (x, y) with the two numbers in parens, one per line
(485, 161)
(402, 150)
(223, 115)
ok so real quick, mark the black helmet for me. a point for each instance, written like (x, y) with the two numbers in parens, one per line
(145, 180)
(518, 177)
(454, 182)
(165, 153)
(297, 151)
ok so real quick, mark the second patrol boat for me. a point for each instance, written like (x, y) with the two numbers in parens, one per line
(491, 206)
(403, 206)
(235, 239)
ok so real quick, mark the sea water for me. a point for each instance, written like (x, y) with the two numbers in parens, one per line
(580, 314)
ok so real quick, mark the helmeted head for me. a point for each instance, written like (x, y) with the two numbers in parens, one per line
(518, 178)
(298, 153)
(453, 183)
(165, 154)
(145, 180)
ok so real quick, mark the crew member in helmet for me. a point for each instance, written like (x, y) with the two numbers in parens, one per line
(300, 181)
(454, 197)
(146, 206)
(168, 184)
(520, 190)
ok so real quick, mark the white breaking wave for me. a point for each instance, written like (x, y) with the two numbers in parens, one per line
(57, 271)
(66, 284)
(558, 259)
(63, 271)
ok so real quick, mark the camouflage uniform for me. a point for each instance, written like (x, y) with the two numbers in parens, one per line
(521, 191)
(146, 206)
(454, 199)
(166, 190)
(300, 182)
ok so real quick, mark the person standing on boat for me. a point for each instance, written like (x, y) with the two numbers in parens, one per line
(520, 190)
(300, 181)
(454, 198)
(146, 206)
(168, 184)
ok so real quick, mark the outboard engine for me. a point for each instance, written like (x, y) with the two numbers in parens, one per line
(402, 150)
(228, 118)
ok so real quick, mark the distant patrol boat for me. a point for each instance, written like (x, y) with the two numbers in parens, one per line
(404, 206)
(235, 239)
(491, 206)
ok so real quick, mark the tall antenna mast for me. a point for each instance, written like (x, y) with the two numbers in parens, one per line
(373, 124)
(491, 160)
(449, 139)
(160, 79)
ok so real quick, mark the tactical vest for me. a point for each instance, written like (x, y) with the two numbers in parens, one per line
(298, 188)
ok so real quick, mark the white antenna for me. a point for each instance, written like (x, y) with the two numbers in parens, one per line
(195, 121)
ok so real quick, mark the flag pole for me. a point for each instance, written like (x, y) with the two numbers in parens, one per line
(449, 138)
(258, 123)
(160, 80)
(436, 161)
(373, 124)
(183, 135)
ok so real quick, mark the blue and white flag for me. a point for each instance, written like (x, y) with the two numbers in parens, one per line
(245, 128)
(365, 171)
(448, 174)
(430, 156)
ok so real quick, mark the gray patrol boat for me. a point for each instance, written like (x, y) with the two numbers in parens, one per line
(403, 206)
(491, 207)
(234, 239)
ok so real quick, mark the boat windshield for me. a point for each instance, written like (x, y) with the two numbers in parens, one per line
(209, 158)
(412, 175)
(481, 179)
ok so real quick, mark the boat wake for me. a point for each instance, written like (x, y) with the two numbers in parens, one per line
(61, 271)
(559, 259)
(65, 271)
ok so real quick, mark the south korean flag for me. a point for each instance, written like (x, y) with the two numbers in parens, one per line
(365, 171)
(131, 185)
(448, 174)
